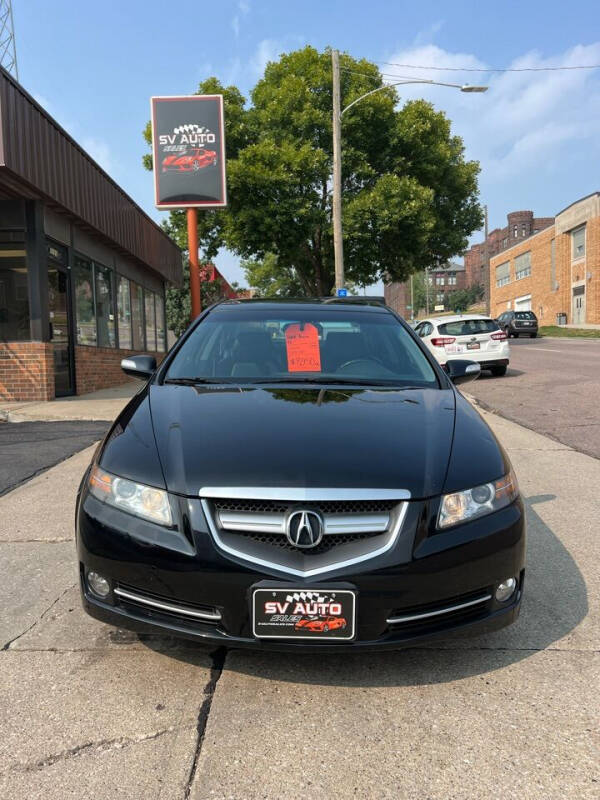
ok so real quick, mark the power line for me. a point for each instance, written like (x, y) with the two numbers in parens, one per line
(486, 69)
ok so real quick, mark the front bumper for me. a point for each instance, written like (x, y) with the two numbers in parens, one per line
(435, 582)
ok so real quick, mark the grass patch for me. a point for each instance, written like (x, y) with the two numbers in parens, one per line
(569, 333)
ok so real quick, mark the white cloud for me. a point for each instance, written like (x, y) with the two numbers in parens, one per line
(243, 8)
(527, 126)
(267, 50)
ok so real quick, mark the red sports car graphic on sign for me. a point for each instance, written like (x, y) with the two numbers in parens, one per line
(321, 624)
(190, 160)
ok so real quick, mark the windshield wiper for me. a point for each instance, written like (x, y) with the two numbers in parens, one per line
(196, 381)
(336, 382)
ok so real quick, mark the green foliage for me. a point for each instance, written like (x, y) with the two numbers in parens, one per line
(409, 196)
(178, 301)
(270, 280)
(461, 299)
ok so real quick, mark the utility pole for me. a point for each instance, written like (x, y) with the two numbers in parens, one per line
(486, 262)
(8, 51)
(427, 290)
(412, 297)
(338, 242)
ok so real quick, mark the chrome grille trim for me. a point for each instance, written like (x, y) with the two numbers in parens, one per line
(275, 523)
(276, 494)
(438, 612)
(301, 495)
(147, 601)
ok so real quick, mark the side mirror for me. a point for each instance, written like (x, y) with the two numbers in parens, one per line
(141, 367)
(463, 371)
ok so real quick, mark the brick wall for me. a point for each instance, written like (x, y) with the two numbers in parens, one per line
(100, 367)
(26, 371)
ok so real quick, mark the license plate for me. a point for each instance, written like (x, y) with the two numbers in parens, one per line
(455, 348)
(473, 346)
(527, 323)
(301, 614)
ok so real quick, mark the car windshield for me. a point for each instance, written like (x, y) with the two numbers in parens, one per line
(467, 327)
(320, 344)
(524, 315)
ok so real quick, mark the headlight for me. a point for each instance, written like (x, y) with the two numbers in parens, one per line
(477, 502)
(144, 501)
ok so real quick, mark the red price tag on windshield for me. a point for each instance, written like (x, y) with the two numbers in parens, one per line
(302, 344)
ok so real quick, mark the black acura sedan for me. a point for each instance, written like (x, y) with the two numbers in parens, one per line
(301, 475)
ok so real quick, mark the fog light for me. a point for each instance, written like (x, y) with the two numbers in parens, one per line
(505, 590)
(98, 584)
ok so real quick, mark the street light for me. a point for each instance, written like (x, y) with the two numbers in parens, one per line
(338, 112)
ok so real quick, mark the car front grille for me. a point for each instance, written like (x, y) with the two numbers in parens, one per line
(447, 613)
(156, 606)
(254, 529)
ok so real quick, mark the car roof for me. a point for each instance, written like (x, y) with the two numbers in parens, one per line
(454, 318)
(361, 304)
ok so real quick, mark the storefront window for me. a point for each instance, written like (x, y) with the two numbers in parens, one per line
(105, 316)
(137, 316)
(150, 320)
(160, 324)
(124, 314)
(14, 298)
(84, 301)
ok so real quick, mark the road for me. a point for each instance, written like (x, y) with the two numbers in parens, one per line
(552, 386)
(90, 711)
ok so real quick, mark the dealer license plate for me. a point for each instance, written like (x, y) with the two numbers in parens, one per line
(473, 346)
(301, 614)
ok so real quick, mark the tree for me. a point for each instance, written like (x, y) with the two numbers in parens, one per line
(271, 280)
(178, 302)
(461, 299)
(409, 195)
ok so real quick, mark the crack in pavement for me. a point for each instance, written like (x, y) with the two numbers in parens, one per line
(218, 662)
(103, 745)
(39, 619)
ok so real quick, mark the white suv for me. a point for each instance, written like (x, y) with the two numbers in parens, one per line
(466, 336)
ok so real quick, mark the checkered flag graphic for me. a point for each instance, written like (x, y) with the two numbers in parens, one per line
(191, 128)
(311, 597)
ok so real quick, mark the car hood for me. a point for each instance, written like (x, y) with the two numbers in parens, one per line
(302, 437)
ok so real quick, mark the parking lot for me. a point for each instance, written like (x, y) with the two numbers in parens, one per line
(92, 711)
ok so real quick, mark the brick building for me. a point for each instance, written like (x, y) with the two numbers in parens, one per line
(556, 271)
(520, 225)
(442, 281)
(82, 268)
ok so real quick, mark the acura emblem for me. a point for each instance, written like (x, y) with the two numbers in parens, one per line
(304, 528)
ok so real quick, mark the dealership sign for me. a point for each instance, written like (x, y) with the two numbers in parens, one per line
(188, 148)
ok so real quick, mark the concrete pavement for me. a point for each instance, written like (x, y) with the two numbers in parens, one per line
(552, 386)
(88, 710)
(104, 404)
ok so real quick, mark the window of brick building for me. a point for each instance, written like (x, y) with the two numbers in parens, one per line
(452, 279)
(14, 291)
(84, 301)
(161, 331)
(150, 313)
(523, 265)
(578, 242)
(503, 274)
(105, 312)
(137, 316)
(124, 314)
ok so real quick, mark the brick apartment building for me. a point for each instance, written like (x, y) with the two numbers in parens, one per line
(520, 225)
(555, 271)
(82, 268)
(442, 281)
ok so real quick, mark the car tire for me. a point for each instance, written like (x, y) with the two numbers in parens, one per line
(498, 371)
(532, 335)
(325, 628)
(516, 335)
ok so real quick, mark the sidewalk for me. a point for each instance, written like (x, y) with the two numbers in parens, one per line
(102, 405)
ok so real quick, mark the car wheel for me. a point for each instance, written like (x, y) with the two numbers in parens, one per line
(532, 335)
(497, 372)
(326, 628)
(195, 166)
(516, 335)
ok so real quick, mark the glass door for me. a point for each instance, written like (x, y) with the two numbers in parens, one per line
(60, 334)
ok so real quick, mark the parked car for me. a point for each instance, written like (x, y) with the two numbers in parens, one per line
(514, 323)
(190, 161)
(466, 336)
(296, 459)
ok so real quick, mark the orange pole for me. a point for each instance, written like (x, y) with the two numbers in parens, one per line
(192, 229)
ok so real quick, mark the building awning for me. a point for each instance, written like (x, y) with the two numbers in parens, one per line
(39, 160)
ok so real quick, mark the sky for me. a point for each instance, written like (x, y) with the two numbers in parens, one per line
(94, 66)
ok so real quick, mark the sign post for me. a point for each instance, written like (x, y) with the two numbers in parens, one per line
(188, 148)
